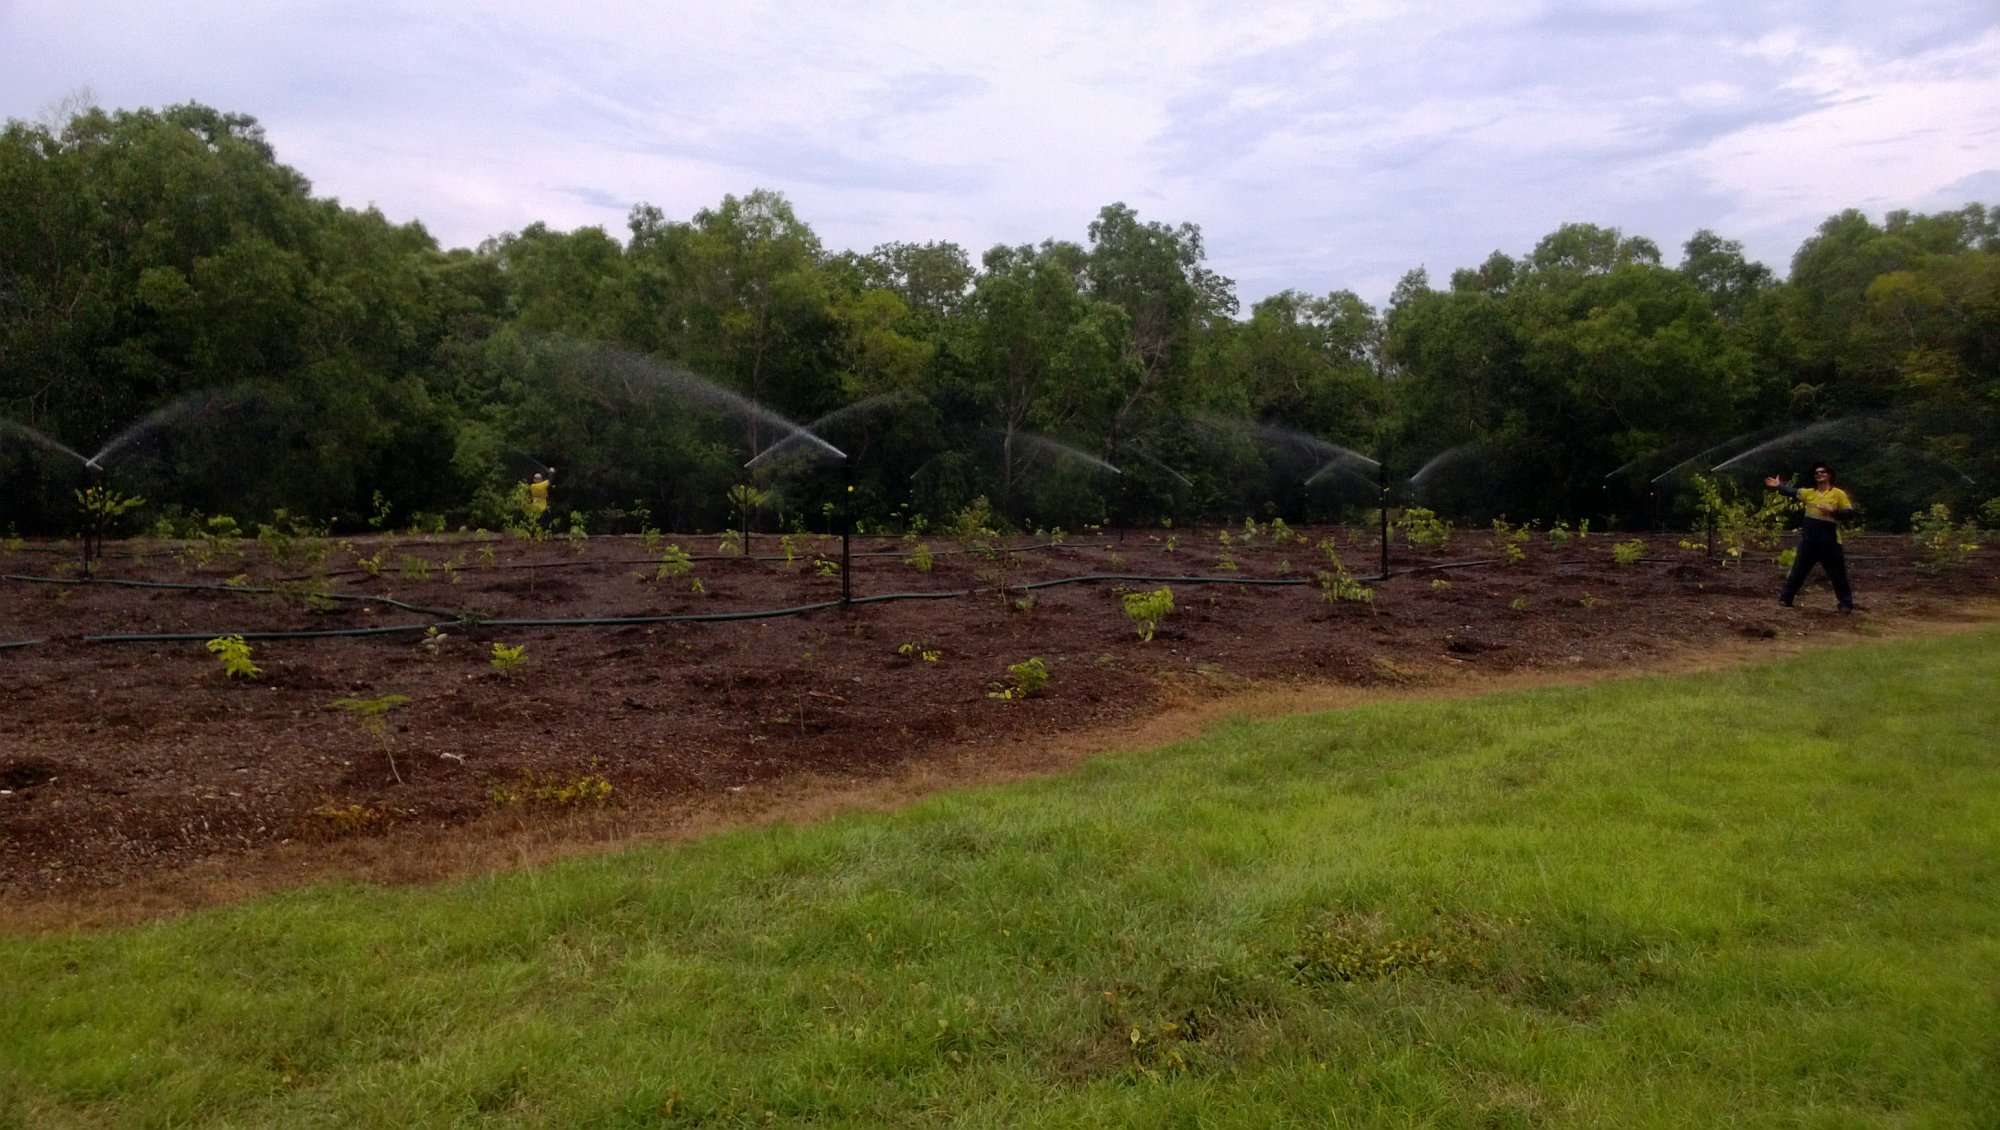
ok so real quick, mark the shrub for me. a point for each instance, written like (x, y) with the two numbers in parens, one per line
(1147, 609)
(1628, 552)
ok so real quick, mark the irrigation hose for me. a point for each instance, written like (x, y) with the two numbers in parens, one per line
(249, 589)
(5, 644)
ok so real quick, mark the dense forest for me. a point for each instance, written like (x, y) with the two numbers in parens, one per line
(295, 354)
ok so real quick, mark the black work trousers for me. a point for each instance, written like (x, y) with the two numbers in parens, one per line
(1822, 549)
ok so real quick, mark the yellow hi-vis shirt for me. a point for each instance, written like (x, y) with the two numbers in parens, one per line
(538, 496)
(1826, 505)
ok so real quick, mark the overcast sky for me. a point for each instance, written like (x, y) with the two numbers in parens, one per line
(1318, 145)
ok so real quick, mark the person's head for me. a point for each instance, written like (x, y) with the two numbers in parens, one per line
(1823, 474)
(538, 476)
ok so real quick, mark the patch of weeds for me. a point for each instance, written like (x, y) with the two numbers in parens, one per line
(553, 791)
(415, 568)
(332, 821)
(1628, 552)
(1508, 541)
(919, 557)
(1439, 584)
(1350, 947)
(915, 650)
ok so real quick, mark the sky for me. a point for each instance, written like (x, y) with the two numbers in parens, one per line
(1318, 146)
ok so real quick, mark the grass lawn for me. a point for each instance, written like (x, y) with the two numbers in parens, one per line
(1768, 896)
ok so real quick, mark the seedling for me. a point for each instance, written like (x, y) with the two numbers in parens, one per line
(1422, 529)
(235, 657)
(507, 660)
(1942, 545)
(1518, 604)
(1628, 552)
(915, 651)
(578, 537)
(920, 557)
(1439, 584)
(826, 567)
(1147, 609)
(674, 562)
(372, 715)
(1024, 679)
(1226, 563)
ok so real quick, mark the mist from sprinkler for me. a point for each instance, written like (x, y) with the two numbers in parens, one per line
(832, 419)
(1809, 431)
(1062, 450)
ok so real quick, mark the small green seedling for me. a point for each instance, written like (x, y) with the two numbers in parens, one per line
(372, 714)
(674, 562)
(235, 657)
(921, 651)
(1628, 552)
(508, 659)
(1147, 609)
(1024, 679)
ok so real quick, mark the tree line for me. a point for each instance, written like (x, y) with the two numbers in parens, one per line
(306, 356)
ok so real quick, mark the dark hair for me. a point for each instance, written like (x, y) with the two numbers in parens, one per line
(1830, 476)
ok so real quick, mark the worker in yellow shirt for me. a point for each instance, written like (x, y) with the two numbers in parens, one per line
(1819, 535)
(538, 494)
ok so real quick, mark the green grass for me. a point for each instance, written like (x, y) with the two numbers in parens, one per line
(1763, 897)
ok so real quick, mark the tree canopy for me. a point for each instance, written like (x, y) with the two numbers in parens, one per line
(298, 354)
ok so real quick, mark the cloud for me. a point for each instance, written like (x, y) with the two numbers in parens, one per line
(1319, 146)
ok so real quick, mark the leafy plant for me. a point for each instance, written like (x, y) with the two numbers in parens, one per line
(1989, 513)
(1439, 584)
(1024, 679)
(1423, 529)
(1941, 544)
(1147, 609)
(1336, 583)
(1628, 552)
(1518, 604)
(507, 660)
(914, 651)
(372, 715)
(826, 567)
(235, 657)
(674, 562)
(578, 536)
(1588, 601)
(1508, 540)
(415, 568)
(1226, 563)
(378, 516)
(730, 543)
(919, 557)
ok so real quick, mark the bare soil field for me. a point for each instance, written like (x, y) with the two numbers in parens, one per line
(123, 762)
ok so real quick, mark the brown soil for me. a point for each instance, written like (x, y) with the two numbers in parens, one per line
(135, 778)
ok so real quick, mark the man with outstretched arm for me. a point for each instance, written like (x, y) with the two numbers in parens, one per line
(1819, 535)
